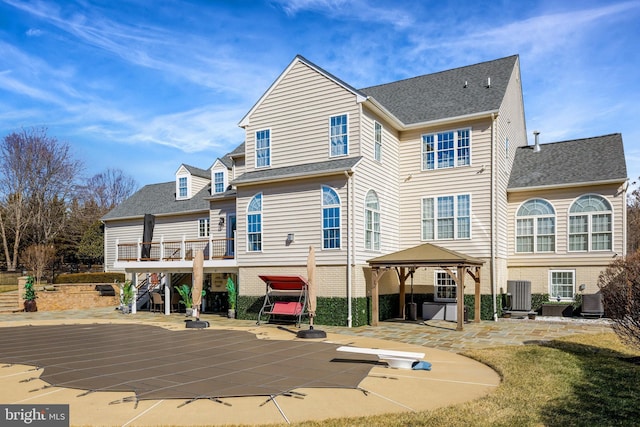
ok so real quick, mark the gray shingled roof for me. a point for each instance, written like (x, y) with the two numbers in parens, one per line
(290, 172)
(442, 95)
(158, 199)
(587, 160)
(197, 171)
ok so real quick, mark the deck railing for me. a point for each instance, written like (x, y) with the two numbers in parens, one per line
(175, 250)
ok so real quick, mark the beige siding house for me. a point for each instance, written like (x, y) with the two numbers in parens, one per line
(359, 173)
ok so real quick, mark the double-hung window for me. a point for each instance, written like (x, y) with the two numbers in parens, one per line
(263, 148)
(590, 226)
(562, 284)
(338, 135)
(446, 217)
(330, 219)
(536, 227)
(445, 287)
(446, 149)
(203, 227)
(218, 182)
(183, 189)
(377, 141)
(372, 222)
(254, 224)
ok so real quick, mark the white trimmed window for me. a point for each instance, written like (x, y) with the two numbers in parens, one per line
(263, 148)
(372, 221)
(446, 149)
(254, 224)
(377, 141)
(445, 288)
(590, 224)
(183, 187)
(536, 227)
(218, 182)
(203, 227)
(338, 135)
(330, 218)
(446, 217)
(562, 284)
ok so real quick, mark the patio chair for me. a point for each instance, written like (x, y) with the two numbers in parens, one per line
(157, 302)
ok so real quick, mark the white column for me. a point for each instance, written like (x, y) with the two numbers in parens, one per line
(166, 279)
(134, 303)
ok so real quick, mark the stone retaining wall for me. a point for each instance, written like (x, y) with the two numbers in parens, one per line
(74, 296)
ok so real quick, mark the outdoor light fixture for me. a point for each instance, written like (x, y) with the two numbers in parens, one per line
(291, 237)
(221, 222)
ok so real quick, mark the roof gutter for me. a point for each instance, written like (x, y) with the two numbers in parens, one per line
(403, 126)
(295, 176)
(573, 184)
(124, 218)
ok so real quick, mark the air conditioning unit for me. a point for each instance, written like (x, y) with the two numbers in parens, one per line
(520, 295)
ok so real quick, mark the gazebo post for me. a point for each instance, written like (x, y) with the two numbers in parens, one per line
(403, 292)
(375, 275)
(476, 278)
(460, 295)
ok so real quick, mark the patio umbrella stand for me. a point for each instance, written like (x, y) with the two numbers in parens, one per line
(312, 296)
(196, 291)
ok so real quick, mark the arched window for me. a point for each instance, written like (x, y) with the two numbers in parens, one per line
(372, 221)
(536, 227)
(254, 224)
(590, 227)
(330, 219)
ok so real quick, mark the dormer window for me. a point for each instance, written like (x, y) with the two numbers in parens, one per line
(218, 182)
(183, 187)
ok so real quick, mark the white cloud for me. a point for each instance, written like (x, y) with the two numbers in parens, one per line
(34, 32)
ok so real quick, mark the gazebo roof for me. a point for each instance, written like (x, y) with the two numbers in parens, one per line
(425, 255)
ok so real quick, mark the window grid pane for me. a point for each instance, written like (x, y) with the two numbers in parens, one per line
(463, 147)
(182, 184)
(445, 287)
(562, 284)
(339, 138)
(428, 155)
(263, 148)
(377, 154)
(218, 178)
(445, 150)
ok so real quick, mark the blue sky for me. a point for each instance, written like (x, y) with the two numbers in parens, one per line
(145, 86)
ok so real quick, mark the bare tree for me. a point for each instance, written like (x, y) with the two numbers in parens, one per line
(620, 287)
(37, 177)
(36, 258)
(108, 189)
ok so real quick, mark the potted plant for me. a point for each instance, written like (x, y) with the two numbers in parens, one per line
(126, 296)
(232, 294)
(29, 295)
(185, 293)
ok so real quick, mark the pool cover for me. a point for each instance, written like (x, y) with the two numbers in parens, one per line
(157, 363)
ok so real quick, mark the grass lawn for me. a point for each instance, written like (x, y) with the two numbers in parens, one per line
(584, 380)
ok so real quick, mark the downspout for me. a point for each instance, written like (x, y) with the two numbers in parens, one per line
(349, 249)
(494, 288)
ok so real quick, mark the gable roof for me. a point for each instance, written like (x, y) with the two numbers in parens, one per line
(159, 199)
(575, 162)
(329, 167)
(300, 59)
(197, 171)
(452, 93)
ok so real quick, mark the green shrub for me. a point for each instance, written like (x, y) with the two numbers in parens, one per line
(89, 278)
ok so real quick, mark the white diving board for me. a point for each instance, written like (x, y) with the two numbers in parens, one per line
(394, 358)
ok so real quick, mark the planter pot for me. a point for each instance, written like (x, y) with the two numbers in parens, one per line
(231, 313)
(125, 309)
(30, 305)
(188, 312)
